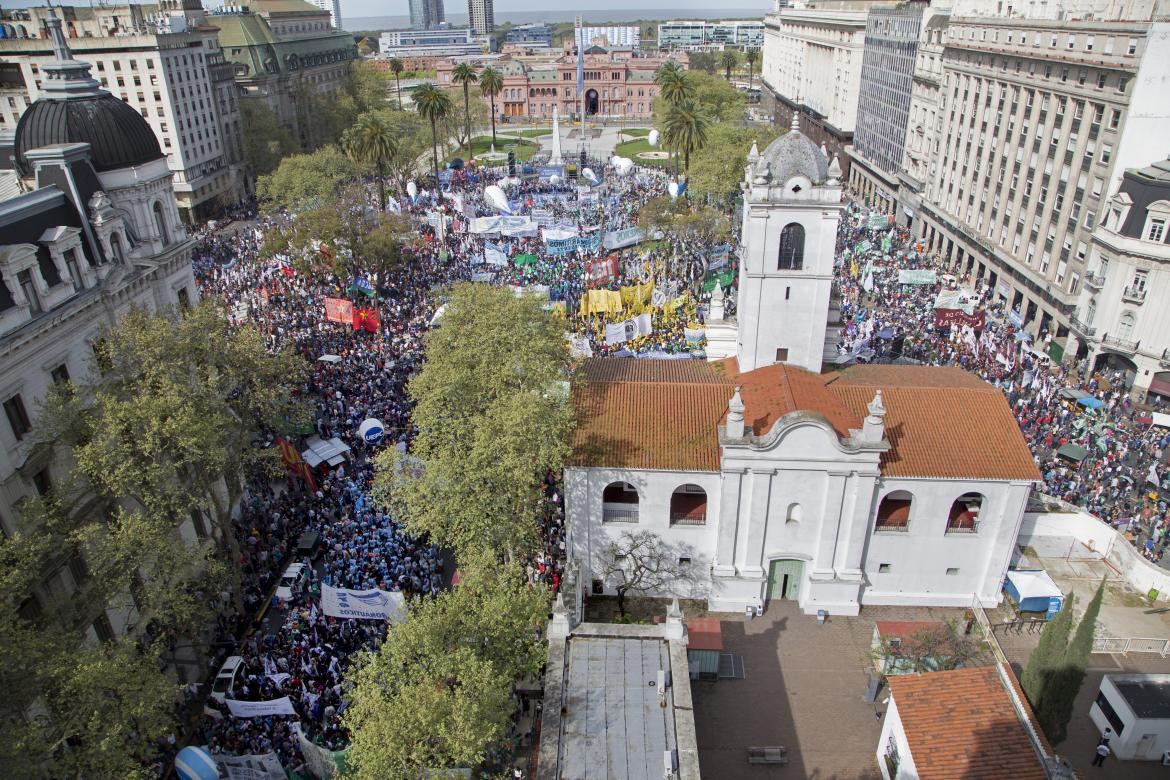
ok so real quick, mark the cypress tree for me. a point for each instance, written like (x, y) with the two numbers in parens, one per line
(1048, 655)
(1061, 689)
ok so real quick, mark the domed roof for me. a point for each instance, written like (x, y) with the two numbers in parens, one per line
(119, 136)
(793, 154)
(75, 109)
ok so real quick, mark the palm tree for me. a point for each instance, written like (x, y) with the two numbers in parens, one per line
(676, 88)
(686, 129)
(396, 67)
(491, 83)
(464, 73)
(751, 56)
(372, 140)
(728, 60)
(434, 104)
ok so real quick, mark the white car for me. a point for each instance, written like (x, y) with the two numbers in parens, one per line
(225, 682)
(290, 581)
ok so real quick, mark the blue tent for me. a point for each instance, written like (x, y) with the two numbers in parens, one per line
(1034, 591)
(1089, 402)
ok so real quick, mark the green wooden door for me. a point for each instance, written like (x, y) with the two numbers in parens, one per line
(784, 579)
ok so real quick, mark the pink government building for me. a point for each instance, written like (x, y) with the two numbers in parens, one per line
(617, 83)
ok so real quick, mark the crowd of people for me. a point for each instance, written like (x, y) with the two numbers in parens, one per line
(1116, 468)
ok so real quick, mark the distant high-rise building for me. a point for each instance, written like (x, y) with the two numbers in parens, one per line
(334, 9)
(426, 14)
(481, 15)
(627, 36)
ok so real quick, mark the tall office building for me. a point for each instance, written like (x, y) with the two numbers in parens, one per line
(883, 106)
(334, 9)
(426, 14)
(481, 15)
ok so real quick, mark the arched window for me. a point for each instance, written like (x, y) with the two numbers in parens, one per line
(619, 503)
(1157, 216)
(688, 505)
(791, 248)
(794, 513)
(964, 514)
(894, 511)
(1125, 325)
(160, 223)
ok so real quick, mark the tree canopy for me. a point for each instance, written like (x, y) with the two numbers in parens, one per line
(717, 168)
(305, 181)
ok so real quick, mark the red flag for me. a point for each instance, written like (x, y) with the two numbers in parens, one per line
(339, 310)
(288, 453)
(287, 270)
(307, 473)
(367, 319)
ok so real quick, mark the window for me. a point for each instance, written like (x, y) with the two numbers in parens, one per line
(1157, 215)
(952, 571)
(28, 287)
(964, 514)
(883, 568)
(42, 482)
(1106, 153)
(17, 417)
(791, 248)
(1110, 714)
(1125, 325)
(184, 298)
(894, 511)
(688, 505)
(160, 223)
(619, 503)
(782, 354)
(60, 374)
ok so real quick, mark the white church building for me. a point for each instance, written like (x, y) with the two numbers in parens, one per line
(765, 479)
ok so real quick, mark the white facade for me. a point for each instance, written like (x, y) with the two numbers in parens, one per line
(920, 153)
(1141, 726)
(1122, 314)
(618, 37)
(812, 57)
(334, 9)
(176, 80)
(893, 743)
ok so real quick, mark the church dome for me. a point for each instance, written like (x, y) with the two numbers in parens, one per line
(793, 154)
(119, 137)
(74, 108)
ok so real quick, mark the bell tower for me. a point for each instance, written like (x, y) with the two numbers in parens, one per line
(792, 204)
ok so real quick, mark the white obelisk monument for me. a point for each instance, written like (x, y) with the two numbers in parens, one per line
(556, 150)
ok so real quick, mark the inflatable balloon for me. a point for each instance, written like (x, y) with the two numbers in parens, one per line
(652, 138)
(411, 189)
(672, 188)
(195, 763)
(623, 165)
(372, 430)
(589, 175)
(554, 180)
(496, 198)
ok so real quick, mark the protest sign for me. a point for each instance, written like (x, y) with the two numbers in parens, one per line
(363, 604)
(955, 299)
(602, 270)
(718, 257)
(258, 709)
(619, 239)
(257, 767)
(493, 254)
(504, 225)
(338, 310)
(908, 276)
(946, 317)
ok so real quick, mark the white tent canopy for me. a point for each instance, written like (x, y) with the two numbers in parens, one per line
(1161, 419)
(334, 451)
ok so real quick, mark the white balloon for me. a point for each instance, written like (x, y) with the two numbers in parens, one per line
(589, 174)
(623, 165)
(554, 179)
(496, 198)
(411, 189)
(652, 138)
(672, 188)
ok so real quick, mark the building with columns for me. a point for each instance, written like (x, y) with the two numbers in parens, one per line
(95, 233)
(1122, 318)
(762, 478)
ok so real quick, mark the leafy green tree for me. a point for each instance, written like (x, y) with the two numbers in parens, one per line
(685, 129)
(434, 104)
(368, 85)
(681, 220)
(491, 83)
(465, 75)
(717, 168)
(1063, 685)
(437, 694)
(751, 55)
(266, 141)
(493, 418)
(372, 140)
(716, 98)
(304, 181)
(728, 60)
(1048, 655)
(396, 67)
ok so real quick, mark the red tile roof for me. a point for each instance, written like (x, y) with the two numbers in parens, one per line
(962, 725)
(704, 633)
(904, 628)
(650, 414)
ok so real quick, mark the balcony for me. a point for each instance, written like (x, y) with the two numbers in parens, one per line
(1095, 280)
(1120, 345)
(1082, 327)
(1164, 361)
(683, 518)
(1134, 294)
(619, 513)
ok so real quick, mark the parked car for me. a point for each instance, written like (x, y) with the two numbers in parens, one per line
(291, 581)
(225, 681)
(308, 545)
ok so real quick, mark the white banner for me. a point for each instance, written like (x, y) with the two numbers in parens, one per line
(320, 761)
(262, 767)
(363, 604)
(493, 254)
(621, 332)
(258, 709)
(579, 346)
(505, 225)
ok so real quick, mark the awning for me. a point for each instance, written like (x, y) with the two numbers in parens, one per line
(1089, 402)
(1160, 419)
(1160, 385)
(334, 451)
(1034, 591)
(330, 359)
(1073, 452)
(1072, 394)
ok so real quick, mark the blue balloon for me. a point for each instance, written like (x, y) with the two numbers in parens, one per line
(195, 763)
